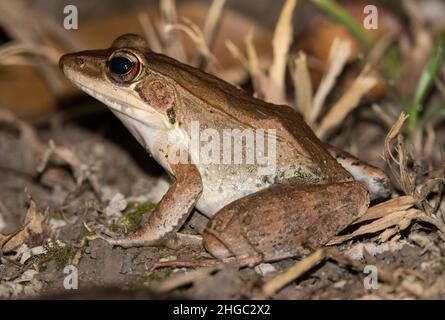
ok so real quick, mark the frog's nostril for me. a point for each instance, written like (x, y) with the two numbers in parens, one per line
(80, 61)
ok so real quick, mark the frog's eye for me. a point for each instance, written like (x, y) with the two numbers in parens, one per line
(123, 66)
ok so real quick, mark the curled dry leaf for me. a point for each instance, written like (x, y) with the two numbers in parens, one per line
(33, 224)
(81, 170)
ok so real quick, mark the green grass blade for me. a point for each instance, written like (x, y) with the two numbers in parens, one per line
(341, 15)
(433, 113)
(424, 84)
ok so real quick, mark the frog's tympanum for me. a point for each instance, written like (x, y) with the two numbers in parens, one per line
(313, 192)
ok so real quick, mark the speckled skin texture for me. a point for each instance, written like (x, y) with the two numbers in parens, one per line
(308, 198)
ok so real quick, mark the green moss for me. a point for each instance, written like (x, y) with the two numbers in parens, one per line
(61, 255)
(132, 218)
(156, 276)
(56, 215)
(159, 275)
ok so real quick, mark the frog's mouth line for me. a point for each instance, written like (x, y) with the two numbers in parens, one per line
(146, 117)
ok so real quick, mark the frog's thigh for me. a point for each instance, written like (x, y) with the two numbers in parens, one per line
(375, 179)
(284, 220)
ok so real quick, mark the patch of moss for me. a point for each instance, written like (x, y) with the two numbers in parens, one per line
(132, 218)
(61, 255)
(160, 275)
(56, 215)
(250, 276)
(156, 276)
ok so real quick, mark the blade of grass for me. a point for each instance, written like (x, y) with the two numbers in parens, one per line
(341, 15)
(433, 113)
(424, 84)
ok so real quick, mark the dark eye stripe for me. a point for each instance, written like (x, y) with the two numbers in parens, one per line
(120, 65)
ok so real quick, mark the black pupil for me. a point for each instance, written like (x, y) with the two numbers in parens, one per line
(120, 65)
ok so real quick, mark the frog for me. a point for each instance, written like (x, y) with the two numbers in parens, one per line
(312, 192)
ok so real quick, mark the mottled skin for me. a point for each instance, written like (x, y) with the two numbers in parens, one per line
(306, 201)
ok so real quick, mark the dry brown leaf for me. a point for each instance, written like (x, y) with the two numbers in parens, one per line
(33, 225)
(81, 170)
(382, 209)
(388, 221)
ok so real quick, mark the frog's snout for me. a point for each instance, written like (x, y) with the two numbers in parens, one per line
(72, 60)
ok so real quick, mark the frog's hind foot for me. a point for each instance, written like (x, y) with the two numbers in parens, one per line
(375, 179)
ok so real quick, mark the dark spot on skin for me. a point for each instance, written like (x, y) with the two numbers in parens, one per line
(354, 164)
(171, 115)
(220, 189)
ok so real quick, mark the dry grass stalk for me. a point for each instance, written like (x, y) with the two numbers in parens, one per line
(237, 54)
(150, 33)
(180, 280)
(384, 116)
(399, 219)
(195, 34)
(338, 56)
(385, 208)
(212, 21)
(398, 163)
(281, 42)
(173, 45)
(301, 267)
(303, 86)
(379, 49)
(24, 26)
(396, 215)
(348, 102)
(294, 272)
(16, 52)
(259, 79)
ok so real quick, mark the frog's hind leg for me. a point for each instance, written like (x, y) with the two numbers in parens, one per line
(283, 221)
(375, 179)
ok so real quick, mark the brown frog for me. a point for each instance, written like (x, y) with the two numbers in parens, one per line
(292, 195)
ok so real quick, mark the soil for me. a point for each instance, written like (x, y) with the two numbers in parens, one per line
(122, 167)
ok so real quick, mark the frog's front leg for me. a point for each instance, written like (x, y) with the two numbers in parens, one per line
(284, 221)
(171, 212)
